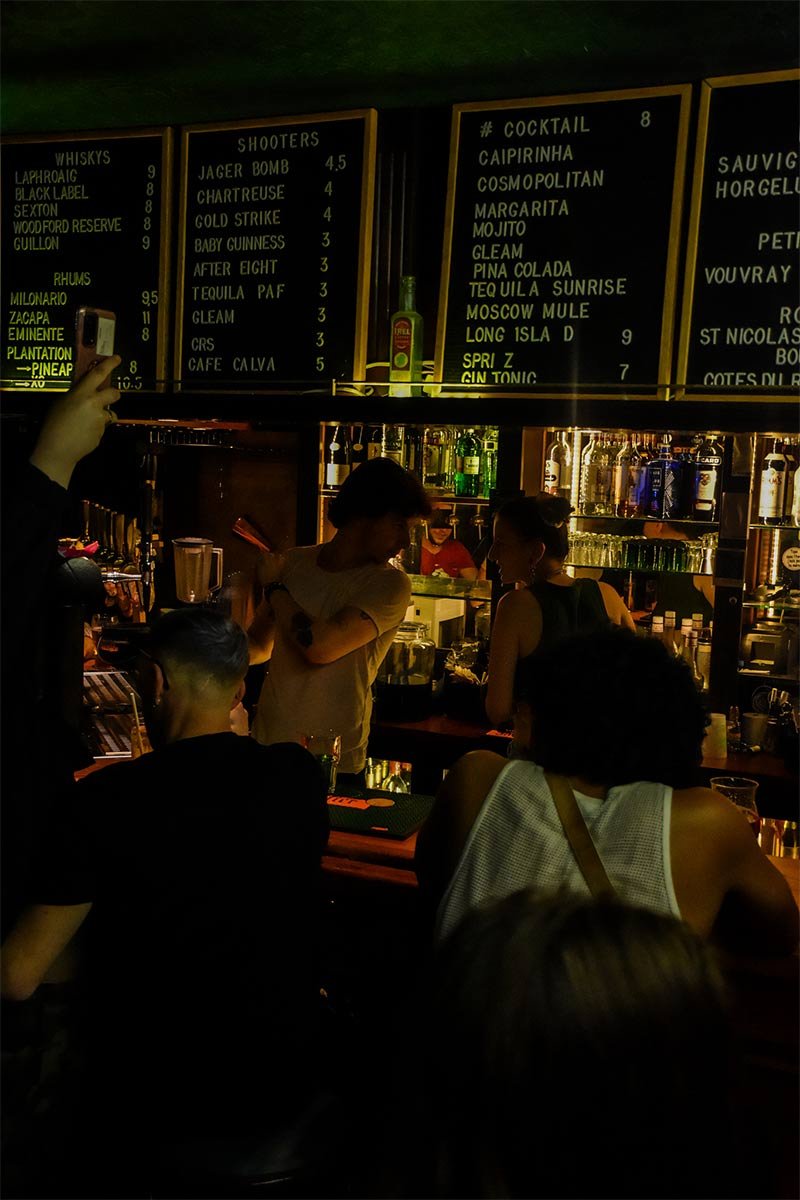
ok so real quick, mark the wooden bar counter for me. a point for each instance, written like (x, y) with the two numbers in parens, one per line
(434, 744)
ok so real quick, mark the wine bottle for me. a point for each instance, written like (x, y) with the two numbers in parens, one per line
(655, 478)
(772, 486)
(604, 475)
(796, 498)
(670, 630)
(690, 657)
(558, 467)
(338, 465)
(394, 443)
(467, 466)
(790, 450)
(703, 658)
(375, 441)
(620, 478)
(675, 472)
(413, 450)
(639, 496)
(358, 447)
(448, 457)
(489, 442)
(588, 484)
(405, 353)
(636, 466)
(706, 481)
(432, 457)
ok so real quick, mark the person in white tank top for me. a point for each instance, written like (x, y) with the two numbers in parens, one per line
(620, 718)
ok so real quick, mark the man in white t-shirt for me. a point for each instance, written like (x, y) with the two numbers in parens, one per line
(330, 612)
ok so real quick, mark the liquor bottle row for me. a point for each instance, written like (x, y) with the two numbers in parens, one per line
(446, 459)
(779, 483)
(659, 476)
(691, 642)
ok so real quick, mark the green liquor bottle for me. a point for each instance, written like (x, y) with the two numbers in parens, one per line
(405, 349)
(467, 468)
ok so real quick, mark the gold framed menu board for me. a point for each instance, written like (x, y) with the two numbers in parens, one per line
(85, 221)
(274, 251)
(740, 325)
(561, 242)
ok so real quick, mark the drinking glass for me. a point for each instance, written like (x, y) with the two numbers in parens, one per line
(742, 792)
(326, 746)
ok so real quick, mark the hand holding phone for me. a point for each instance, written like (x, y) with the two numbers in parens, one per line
(94, 339)
(76, 422)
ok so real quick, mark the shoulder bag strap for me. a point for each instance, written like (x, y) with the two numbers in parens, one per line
(578, 836)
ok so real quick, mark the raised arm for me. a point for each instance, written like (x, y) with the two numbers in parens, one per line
(76, 423)
(615, 606)
(261, 634)
(317, 640)
(326, 640)
(41, 934)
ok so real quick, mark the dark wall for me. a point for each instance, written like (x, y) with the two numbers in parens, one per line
(91, 64)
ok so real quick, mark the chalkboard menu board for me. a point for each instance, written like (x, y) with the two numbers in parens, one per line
(740, 328)
(561, 239)
(85, 221)
(274, 251)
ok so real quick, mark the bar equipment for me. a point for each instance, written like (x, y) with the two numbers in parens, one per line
(247, 529)
(404, 683)
(194, 558)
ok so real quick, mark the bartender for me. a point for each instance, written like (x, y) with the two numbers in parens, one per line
(442, 554)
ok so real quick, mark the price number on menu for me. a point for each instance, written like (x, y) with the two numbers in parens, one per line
(333, 163)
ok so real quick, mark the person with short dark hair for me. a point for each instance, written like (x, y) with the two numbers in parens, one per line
(620, 718)
(193, 873)
(442, 553)
(576, 1048)
(330, 612)
(530, 547)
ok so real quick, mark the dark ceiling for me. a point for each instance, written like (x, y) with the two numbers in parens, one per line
(91, 64)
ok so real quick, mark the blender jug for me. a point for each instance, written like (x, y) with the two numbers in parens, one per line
(404, 684)
(193, 563)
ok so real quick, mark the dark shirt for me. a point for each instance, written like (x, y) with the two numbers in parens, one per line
(34, 760)
(566, 611)
(569, 610)
(202, 863)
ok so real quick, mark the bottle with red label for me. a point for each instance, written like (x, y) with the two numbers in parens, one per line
(405, 349)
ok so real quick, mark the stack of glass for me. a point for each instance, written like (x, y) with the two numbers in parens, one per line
(637, 552)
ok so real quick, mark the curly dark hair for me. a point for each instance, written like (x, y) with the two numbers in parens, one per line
(541, 518)
(614, 707)
(376, 488)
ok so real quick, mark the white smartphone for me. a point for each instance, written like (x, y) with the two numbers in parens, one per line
(94, 338)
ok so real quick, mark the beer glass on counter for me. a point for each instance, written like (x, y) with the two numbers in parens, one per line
(742, 792)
